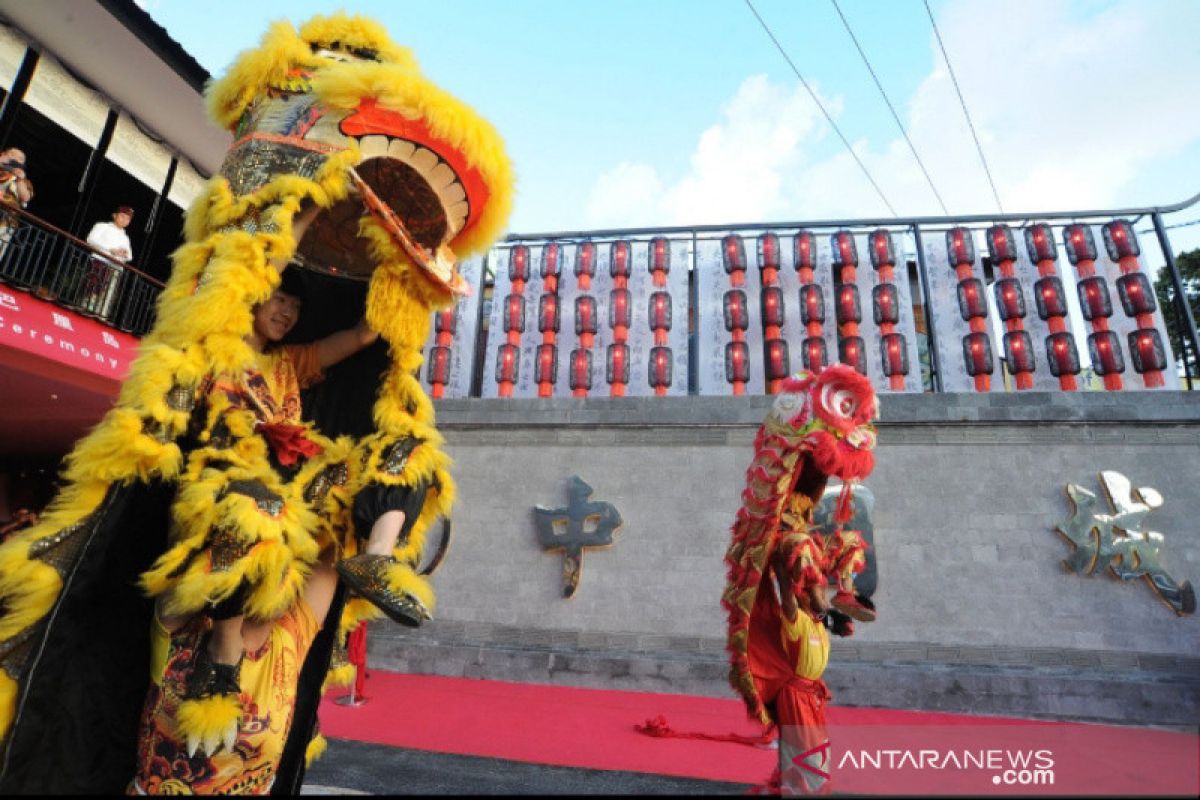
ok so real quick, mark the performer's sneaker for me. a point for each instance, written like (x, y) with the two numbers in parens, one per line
(367, 575)
(839, 624)
(855, 606)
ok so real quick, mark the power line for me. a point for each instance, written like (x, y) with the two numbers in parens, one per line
(963, 103)
(895, 116)
(821, 106)
(1173, 227)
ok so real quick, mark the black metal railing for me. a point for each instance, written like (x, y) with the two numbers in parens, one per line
(55, 266)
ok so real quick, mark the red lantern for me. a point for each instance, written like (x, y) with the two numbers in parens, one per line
(1018, 351)
(1010, 300)
(585, 260)
(1039, 242)
(777, 362)
(1094, 300)
(1120, 241)
(894, 354)
(660, 254)
(1080, 243)
(1105, 350)
(883, 249)
(445, 321)
(581, 370)
(816, 353)
(804, 250)
(845, 251)
(548, 314)
(1062, 355)
(768, 251)
(514, 313)
(518, 263)
(439, 365)
(736, 316)
(885, 301)
(659, 312)
(508, 362)
(849, 309)
(737, 362)
(547, 364)
(960, 247)
(617, 366)
(585, 315)
(1002, 245)
(618, 308)
(1136, 293)
(1050, 297)
(977, 354)
(550, 265)
(971, 302)
(771, 302)
(733, 254)
(618, 259)
(812, 304)
(660, 367)
(1147, 351)
(852, 351)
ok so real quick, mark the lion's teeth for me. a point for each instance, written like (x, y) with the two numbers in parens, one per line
(424, 160)
(372, 146)
(400, 149)
(457, 214)
(441, 176)
(453, 193)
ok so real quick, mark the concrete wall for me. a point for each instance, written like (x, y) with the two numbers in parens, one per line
(968, 491)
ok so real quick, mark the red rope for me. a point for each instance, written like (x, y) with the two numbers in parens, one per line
(659, 728)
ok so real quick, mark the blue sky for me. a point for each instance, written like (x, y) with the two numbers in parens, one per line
(649, 112)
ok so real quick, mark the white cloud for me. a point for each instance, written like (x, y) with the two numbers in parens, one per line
(628, 191)
(1070, 108)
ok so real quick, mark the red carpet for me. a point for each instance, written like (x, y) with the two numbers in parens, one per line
(595, 728)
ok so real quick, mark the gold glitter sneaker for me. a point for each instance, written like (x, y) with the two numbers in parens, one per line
(369, 576)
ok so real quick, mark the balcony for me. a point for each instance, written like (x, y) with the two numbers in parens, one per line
(54, 266)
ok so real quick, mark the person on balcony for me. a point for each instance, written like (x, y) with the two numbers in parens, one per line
(103, 277)
(16, 190)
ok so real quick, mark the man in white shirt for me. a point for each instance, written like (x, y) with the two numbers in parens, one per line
(103, 278)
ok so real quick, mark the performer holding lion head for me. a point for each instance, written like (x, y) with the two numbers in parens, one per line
(205, 488)
(784, 577)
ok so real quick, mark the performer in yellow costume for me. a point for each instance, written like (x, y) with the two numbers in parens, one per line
(351, 171)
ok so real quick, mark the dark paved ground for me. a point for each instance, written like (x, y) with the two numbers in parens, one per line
(379, 769)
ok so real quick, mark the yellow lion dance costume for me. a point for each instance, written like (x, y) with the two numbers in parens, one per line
(406, 178)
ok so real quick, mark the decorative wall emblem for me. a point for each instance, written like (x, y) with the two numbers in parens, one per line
(1118, 542)
(580, 524)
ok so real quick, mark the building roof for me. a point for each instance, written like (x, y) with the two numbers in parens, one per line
(121, 52)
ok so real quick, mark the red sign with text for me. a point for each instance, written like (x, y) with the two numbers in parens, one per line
(49, 331)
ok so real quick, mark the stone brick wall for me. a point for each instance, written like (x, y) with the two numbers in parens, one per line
(968, 490)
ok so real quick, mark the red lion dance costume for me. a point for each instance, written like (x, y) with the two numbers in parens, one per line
(819, 427)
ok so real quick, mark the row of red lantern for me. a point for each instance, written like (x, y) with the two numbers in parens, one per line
(659, 316)
(546, 359)
(775, 354)
(886, 303)
(1137, 300)
(1010, 302)
(977, 347)
(851, 348)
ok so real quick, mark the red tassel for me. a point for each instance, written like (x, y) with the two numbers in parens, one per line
(289, 442)
(845, 503)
